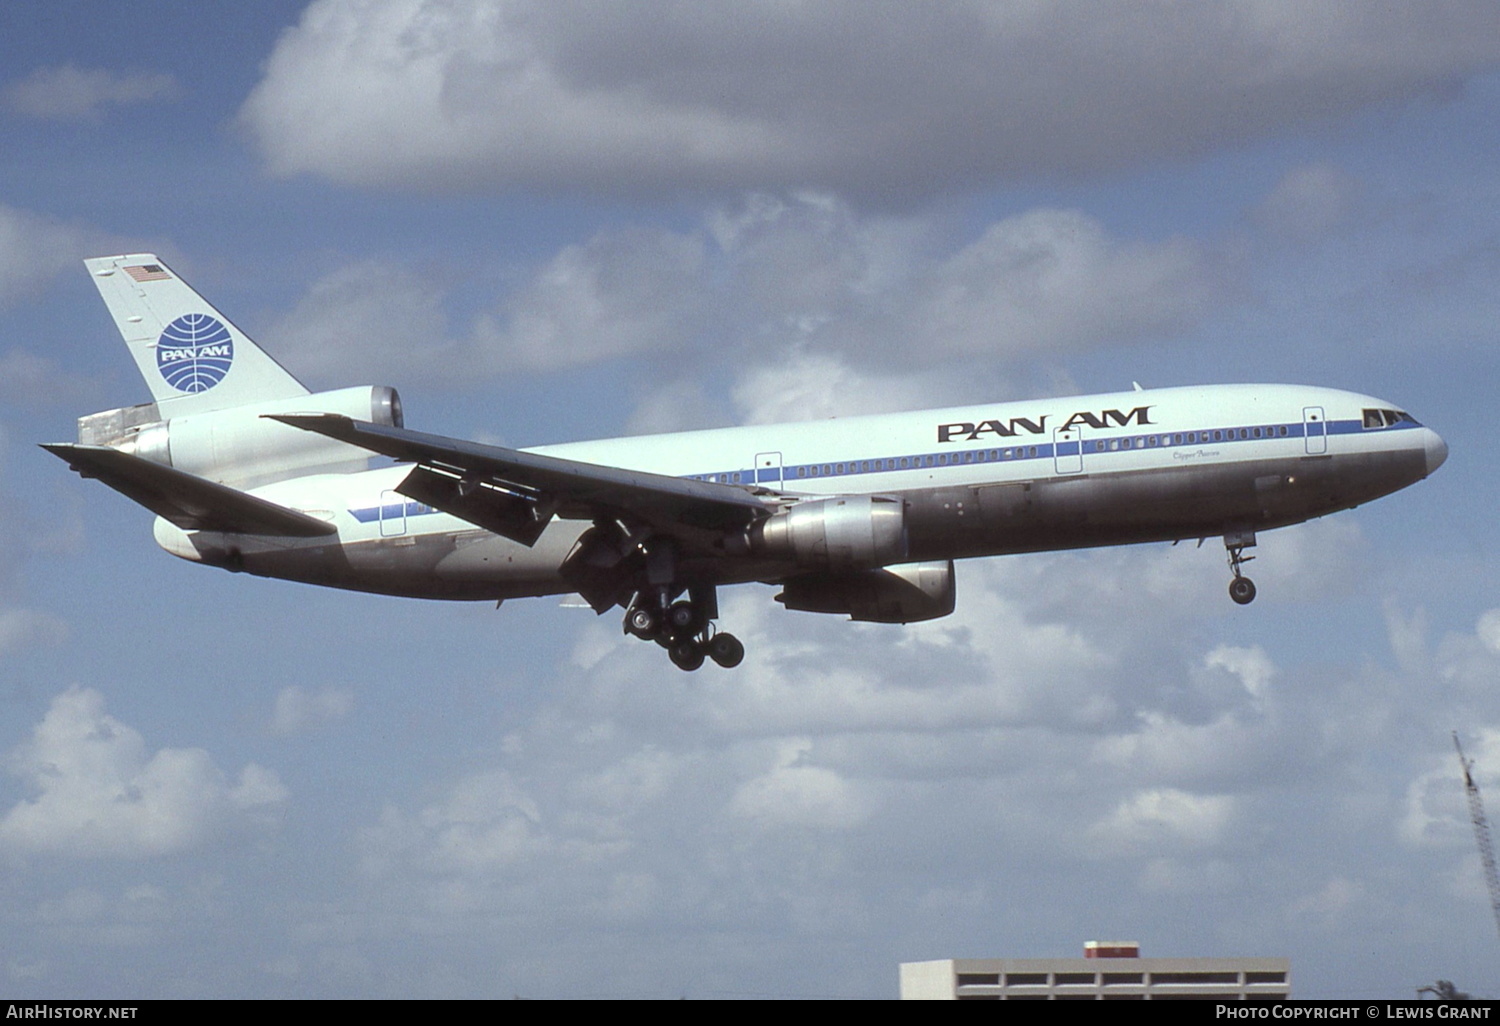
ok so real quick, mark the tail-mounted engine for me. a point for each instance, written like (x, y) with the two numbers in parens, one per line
(239, 445)
(846, 532)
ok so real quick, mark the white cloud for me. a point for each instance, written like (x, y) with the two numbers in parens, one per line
(815, 386)
(1251, 665)
(1488, 630)
(69, 93)
(1165, 815)
(1050, 280)
(22, 627)
(299, 711)
(34, 381)
(1078, 719)
(35, 249)
(380, 320)
(809, 305)
(622, 293)
(795, 793)
(100, 793)
(881, 99)
(1310, 201)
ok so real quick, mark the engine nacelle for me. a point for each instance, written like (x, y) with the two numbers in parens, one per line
(846, 532)
(907, 593)
(238, 445)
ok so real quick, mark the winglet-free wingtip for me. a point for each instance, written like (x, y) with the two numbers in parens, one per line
(64, 451)
(334, 425)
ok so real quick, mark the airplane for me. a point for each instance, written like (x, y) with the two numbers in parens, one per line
(860, 516)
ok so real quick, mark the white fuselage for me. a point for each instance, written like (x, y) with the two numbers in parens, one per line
(1125, 467)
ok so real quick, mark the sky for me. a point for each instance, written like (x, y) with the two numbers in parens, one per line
(548, 222)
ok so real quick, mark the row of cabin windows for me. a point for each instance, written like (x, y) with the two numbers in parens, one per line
(1023, 451)
(916, 462)
(1191, 438)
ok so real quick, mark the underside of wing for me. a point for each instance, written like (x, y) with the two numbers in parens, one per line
(186, 500)
(516, 494)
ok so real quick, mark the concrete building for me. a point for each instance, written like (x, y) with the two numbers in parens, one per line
(1108, 970)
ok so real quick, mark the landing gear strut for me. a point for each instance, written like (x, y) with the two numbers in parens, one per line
(684, 627)
(1241, 588)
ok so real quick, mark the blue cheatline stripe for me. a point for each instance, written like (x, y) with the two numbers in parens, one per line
(798, 473)
(390, 511)
(1095, 447)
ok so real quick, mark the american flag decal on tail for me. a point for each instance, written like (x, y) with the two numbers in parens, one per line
(148, 272)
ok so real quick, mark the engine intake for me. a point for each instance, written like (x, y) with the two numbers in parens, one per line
(846, 532)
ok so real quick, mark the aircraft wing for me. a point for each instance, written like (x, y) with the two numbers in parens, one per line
(187, 500)
(516, 494)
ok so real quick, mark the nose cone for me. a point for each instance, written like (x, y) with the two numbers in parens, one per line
(1437, 450)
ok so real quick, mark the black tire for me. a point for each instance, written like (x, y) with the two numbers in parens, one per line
(1242, 590)
(683, 617)
(726, 650)
(686, 655)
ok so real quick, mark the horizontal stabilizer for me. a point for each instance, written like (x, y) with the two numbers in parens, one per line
(191, 502)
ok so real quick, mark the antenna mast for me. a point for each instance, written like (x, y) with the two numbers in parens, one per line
(1481, 831)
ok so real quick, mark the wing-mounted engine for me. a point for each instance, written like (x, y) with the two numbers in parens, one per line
(240, 445)
(845, 532)
(907, 593)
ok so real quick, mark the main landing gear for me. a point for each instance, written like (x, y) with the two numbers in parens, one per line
(615, 564)
(1241, 588)
(684, 627)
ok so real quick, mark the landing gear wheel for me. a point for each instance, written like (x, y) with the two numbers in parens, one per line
(1242, 590)
(641, 621)
(726, 650)
(686, 655)
(683, 617)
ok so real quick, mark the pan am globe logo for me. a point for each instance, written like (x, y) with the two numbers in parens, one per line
(194, 353)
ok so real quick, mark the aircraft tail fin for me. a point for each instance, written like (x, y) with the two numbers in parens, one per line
(193, 358)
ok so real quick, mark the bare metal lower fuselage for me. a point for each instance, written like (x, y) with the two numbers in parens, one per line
(1192, 499)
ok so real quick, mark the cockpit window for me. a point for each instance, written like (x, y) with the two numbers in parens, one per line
(1387, 418)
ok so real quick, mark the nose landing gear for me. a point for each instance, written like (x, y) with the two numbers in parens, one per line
(1241, 588)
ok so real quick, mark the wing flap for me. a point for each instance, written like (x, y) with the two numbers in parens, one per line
(191, 502)
(517, 493)
(516, 516)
